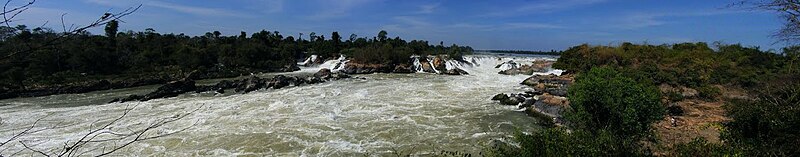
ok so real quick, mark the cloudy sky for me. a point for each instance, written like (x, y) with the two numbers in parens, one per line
(496, 24)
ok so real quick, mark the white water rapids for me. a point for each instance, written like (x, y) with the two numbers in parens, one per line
(414, 114)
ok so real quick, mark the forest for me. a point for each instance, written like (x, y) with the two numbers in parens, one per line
(41, 57)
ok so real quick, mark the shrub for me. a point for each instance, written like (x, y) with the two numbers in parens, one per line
(560, 142)
(709, 92)
(769, 125)
(603, 99)
(701, 147)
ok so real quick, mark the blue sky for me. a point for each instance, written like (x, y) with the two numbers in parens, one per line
(498, 24)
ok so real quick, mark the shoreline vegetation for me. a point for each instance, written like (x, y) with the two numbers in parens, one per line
(686, 99)
(551, 52)
(86, 62)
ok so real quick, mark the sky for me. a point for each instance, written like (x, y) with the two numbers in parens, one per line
(485, 24)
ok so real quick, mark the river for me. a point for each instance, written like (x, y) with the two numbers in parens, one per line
(384, 114)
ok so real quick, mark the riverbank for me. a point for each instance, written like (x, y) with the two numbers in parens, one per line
(84, 84)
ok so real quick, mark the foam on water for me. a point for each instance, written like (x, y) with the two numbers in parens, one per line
(413, 113)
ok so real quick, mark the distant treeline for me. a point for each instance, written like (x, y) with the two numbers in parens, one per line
(42, 56)
(551, 52)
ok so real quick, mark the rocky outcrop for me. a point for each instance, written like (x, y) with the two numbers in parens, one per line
(249, 84)
(508, 65)
(548, 100)
(455, 71)
(537, 66)
(171, 89)
(439, 64)
(553, 84)
(426, 66)
(513, 99)
(403, 68)
(359, 68)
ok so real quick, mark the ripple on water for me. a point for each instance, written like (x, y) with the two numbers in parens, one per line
(379, 115)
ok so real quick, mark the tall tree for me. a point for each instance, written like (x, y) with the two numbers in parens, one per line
(112, 28)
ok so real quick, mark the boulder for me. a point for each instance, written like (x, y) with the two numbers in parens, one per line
(279, 82)
(551, 105)
(552, 84)
(338, 75)
(358, 68)
(455, 71)
(403, 68)
(323, 73)
(426, 66)
(250, 84)
(500, 96)
(508, 65)
(439, 64)
(171, 89)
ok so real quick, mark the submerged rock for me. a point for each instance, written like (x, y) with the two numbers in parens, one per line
(500, 96)
(171, 89)
(455, 71)
(323, 73)
(250, 84)
(403, 68)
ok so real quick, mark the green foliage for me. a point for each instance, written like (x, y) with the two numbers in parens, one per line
(603, 99)
(701, 147)
(709, 92)
(769, 125)
(84, 56)
(560, 142)
(684, 64)
(609, 115)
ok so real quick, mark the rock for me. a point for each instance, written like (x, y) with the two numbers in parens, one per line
(508, 65)
(279, 82)
(426, 66)
(314, 80)
(403, 68)
(289, 68)
(552, 84)
(171, 89)
(323, 73)
(336, 76)
(358, 68)
(251, 84)
(527, 103)
(455, 71)
(675, 110)
(551, 105)
(500, 96)
(439, 64)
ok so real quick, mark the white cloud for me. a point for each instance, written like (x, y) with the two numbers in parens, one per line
(644, 20)
(542, 6)
(336, 9)
(428, 8)
(200, 11)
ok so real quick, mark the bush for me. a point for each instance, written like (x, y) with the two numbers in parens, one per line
(769, 125)
(701, 147)
(709, 92)
(560, 142)
(603, 99)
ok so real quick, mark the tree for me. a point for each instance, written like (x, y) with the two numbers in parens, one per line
(111, 29)
(382, 36)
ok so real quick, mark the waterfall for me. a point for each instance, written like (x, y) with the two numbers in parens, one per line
(309, 61)
(417, 64)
